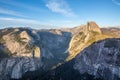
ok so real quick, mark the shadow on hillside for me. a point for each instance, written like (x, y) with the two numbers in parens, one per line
(66, 70)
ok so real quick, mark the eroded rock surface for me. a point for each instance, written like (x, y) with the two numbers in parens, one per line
(101, 59)
(16, 67)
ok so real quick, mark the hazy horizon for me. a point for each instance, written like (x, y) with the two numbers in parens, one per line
(41, 14)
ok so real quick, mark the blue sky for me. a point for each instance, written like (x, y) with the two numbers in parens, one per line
(58, 13)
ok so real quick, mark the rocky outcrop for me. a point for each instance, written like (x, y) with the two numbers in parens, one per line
(101, 59)
(23, 55)
(89, 34)
(17, 66)
(31, 50)
(24, 36)
(17, 46)
(36, 52)
(92, 27)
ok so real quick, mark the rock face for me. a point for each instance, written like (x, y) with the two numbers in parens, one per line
(16, 67)
(89, 34)
(22, 57)
(101, 59)
(36, 52)
(24, 35)
(92, 27)
(16, 45)
(24, 50)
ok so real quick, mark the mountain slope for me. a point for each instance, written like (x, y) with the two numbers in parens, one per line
(25, 50)
(99, 61)
(90, 33)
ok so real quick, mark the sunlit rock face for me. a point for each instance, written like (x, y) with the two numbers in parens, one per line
(25, 36)
(36, 52)
(90, 33)
(101, 59)
(92, 27)
(21, 54)
(23, 50)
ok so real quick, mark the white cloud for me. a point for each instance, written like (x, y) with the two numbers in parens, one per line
(22, 5)
(60, 6)
(116, 2)
(10, 12)
(21, 22)
(18, 22)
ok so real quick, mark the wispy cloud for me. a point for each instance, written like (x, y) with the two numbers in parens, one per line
(10, 12)
(22, 5)
(19, 20)
(60, 6)
(116, 2)
(22, 22)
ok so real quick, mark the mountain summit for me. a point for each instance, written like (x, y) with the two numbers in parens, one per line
(92, 27)
(89, 34)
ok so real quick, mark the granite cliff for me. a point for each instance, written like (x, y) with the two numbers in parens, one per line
(99, 61)
(90, 33)
(24, 51)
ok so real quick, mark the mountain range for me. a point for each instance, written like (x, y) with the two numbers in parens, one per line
(85, 52)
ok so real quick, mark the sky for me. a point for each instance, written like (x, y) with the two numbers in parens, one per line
(58, 13)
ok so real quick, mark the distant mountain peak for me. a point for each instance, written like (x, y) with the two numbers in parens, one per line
(89, 34)
(92, 27)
